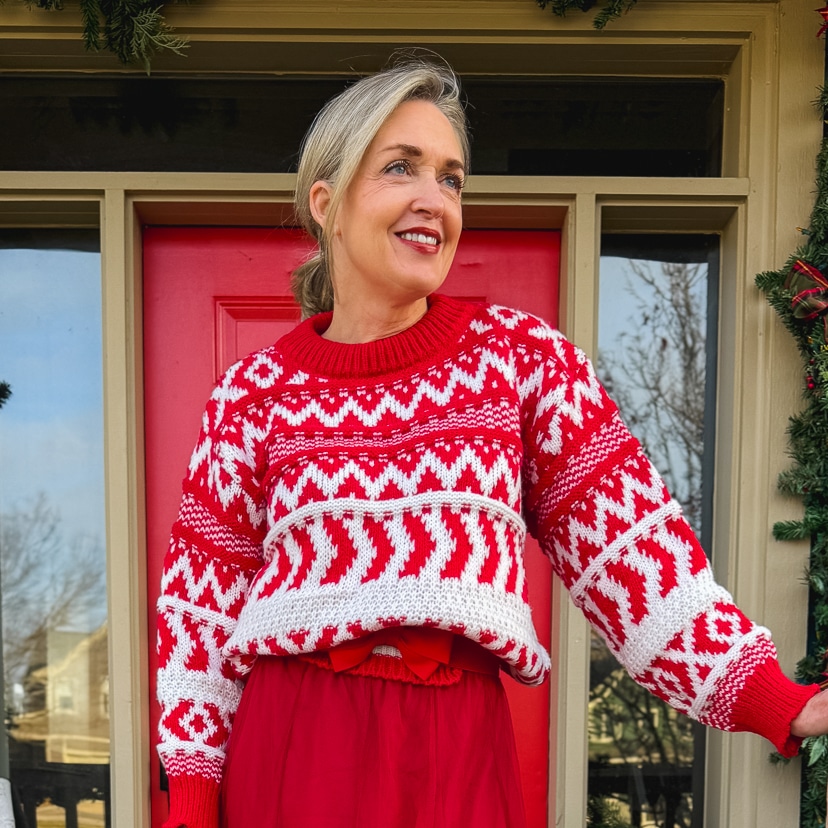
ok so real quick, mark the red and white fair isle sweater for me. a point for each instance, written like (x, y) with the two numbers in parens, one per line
(340, 489)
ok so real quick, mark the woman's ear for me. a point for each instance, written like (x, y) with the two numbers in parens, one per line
(319, 201)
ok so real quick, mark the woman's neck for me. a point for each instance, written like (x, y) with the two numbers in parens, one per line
(360, 322)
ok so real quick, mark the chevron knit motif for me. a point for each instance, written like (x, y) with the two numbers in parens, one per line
(341, 489)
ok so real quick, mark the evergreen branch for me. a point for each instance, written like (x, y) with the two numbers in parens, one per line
(133, 30)
(611, 10)
(46, 5)
(808, 474)
(90, 14)
(152, 34)
(821, 103)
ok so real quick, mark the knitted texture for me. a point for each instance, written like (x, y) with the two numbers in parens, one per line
(339, 489)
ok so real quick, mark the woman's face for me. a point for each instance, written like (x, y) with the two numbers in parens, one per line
(397, 227)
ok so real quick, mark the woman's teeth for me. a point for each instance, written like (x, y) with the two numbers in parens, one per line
(420, 238)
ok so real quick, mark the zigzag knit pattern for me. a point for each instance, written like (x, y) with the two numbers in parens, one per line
(339, 489)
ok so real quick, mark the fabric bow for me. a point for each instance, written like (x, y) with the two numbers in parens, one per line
(422, 649)
(810, 288)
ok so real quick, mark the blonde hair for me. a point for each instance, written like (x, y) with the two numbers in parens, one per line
(336, 142)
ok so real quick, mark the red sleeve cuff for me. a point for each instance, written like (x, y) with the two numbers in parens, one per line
(193, 802)
(768, 703)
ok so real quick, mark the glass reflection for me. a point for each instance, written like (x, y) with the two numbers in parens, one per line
(656, 355)
(52, 555)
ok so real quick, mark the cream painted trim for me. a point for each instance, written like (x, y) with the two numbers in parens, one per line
(126, 542)
(579, 309)
(278, 187)
(764, 575)
(262, 36)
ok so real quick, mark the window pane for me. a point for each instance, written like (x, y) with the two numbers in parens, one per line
(656, 355)
(52, 578)
(520, 126)
(596, 126)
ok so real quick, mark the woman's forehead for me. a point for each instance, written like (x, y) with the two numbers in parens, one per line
(417, 128)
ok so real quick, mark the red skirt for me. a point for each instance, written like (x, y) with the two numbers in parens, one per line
(312, 748)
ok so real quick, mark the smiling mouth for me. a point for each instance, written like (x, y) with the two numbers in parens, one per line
(420, 238)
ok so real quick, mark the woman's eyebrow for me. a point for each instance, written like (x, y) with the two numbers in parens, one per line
(410, 151)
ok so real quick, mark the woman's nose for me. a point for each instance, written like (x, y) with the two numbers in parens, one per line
(428, 197)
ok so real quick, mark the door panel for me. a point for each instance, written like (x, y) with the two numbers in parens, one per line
(212, 295)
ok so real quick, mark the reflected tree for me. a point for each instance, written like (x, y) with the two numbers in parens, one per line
(49, 582)
(656, 373)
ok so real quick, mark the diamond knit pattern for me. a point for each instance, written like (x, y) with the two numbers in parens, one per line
(339, 489)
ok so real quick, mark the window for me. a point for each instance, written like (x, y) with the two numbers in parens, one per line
(52, 524)
(656, 355)
(520, 126)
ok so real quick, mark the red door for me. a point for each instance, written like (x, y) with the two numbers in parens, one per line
(212, 295)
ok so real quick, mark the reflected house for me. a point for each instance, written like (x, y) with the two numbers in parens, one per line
(59, 741)
(641, 752)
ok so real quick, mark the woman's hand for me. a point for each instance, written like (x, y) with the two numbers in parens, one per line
(813, 718)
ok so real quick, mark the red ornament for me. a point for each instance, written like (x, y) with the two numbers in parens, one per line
(824, 12)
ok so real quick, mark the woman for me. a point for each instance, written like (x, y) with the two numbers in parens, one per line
(345, 578)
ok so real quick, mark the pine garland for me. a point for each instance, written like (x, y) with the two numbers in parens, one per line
(797, 292)
(135, 30)
(612, 9)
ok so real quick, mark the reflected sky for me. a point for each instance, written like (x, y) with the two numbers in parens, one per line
(51, 429)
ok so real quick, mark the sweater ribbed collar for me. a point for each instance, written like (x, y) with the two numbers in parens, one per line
(425, 341)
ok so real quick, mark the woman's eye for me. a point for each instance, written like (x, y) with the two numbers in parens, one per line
(455, 182)
(398, 168)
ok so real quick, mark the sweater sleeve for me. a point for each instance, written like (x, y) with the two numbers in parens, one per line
(214, 551)
(631, 562)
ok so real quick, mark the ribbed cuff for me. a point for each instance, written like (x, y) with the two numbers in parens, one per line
(193, 803)
(768, 703)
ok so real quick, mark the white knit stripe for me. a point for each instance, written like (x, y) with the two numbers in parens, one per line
(173, 745)
(403, 544)
(361, 539)
(175, 677)
(499, 413)
(173, 605)
(509, 318)
(176, 671)
(646, 585)
(638, 528)
(720, 668)
(338, 507)
(506, 559)
(489, 475)
(559, 408)
(415, 601)
(480, 550)
(390, 404)
(408, 597)
(207, 583)
(609, 438)
(680, 607)
(325, 551)
(205, 524)
(443, 544)
(647, 638)
(520, 562)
